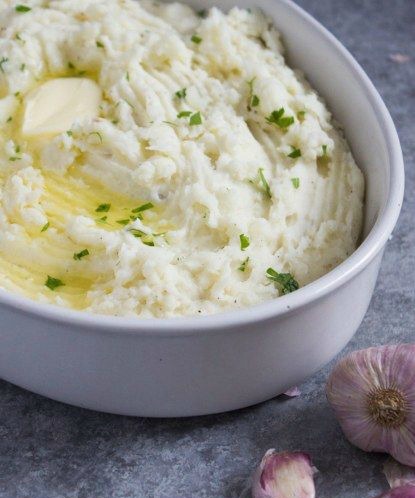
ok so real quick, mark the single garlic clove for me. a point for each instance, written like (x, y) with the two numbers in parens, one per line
(372, 393)
(284, 475)
(407, 491)
(398, 474)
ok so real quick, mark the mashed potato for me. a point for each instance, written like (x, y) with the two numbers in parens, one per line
(203, 175)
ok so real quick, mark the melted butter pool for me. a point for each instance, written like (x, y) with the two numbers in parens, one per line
(51, 251)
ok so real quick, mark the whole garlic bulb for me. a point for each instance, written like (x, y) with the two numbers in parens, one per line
(372, 393)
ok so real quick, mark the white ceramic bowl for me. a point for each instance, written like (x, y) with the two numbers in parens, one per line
(193, 366)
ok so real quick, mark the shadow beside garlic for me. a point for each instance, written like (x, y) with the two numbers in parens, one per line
(372, 393)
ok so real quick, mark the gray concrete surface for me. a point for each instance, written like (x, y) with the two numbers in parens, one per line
(50, 450)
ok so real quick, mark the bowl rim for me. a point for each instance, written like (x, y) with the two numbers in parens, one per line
(229, 320)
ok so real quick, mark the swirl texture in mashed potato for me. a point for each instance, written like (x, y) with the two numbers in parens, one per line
(208, 161)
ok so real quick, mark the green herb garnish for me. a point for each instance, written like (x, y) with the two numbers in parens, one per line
(45, 227)
(244, 239)
(202, 13)
(123, 222)
(324, 147)
(253, 100)
(285, 282)
(184, 114)
(264, 183)
(69, 133)
(127, 76)
(196, 119)
(278, 118)
(244, 264)
(2, 62)
(300, 115)
(196, 39)
(79, 255)
(102, 220)
(9, 119)
(142, 208)
(295, 182)
(181, 94)
(70, 65)
(22, 8)
(103, 208)
(99, 44)
(53, 283)
(294, 153)
(146, 238)
(14, 158)
(22, 67)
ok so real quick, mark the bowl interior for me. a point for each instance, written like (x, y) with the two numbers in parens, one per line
(338, 81)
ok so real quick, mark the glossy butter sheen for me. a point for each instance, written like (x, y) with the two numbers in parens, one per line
(136, 103)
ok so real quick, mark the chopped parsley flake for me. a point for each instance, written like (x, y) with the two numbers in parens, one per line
(294, 153)
(181, 94)
(184, 114)
(142, 208)
(17, 36)
(79, 255)
(196, 119)
(202, 13)
(22, 67)
(264, 183)
(53, 283)
(100, 44)
(196, 39)
(70, 65)
(103, 208)
(137, 233)
(69, 133)
(123, 222)
(244, 264)
(146, 238)
(324, 147)
(22, 8)
(102, 220)
(285, 282)
(253, 100)
(244, 239)
(2, 62)
(278, 118)
(45, 227)
(14, 158)
(9, 119)
(98, 134)
(127, 76)
(295, 182)
(300, 115)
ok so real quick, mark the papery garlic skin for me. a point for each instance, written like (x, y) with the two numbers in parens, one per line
(284, 475)
(397, 474)
(372, 393)
(407, 491)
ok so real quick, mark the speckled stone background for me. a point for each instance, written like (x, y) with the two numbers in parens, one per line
(50, 450)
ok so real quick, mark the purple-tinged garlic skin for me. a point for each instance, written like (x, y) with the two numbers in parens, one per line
(407, 491)
(397, 474)
(293, 392)
(372, 393)
(284, 475)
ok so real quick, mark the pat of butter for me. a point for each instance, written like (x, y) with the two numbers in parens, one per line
(54, 106)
